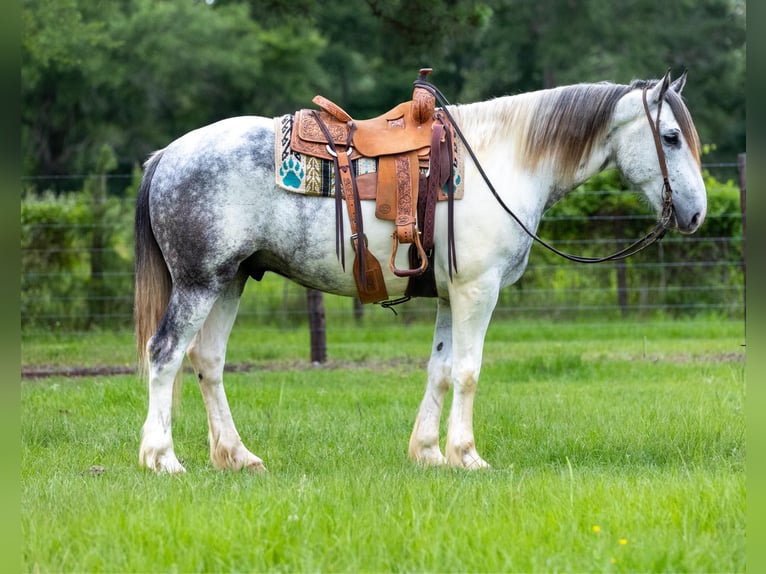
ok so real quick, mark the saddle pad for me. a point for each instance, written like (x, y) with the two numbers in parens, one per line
(309, 175)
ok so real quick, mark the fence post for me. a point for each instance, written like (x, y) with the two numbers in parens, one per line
(741, 166)
(358, 310)
(106, 162)
(317, 329)
(621, 269)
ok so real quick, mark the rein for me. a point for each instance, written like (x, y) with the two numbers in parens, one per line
(655, 234)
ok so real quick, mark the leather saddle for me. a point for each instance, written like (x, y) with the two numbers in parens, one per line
(413, 146)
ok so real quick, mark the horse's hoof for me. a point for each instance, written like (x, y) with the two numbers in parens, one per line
(466, 458)
(256, 467)
(236, 459)
(428, 457)
(476, 463)
(163, 464)
(171, 469)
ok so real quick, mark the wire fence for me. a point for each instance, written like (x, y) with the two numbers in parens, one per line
(77, 271)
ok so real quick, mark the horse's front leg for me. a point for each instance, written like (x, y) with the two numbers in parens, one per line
(472, 306)
(424, 441)
(207, 354)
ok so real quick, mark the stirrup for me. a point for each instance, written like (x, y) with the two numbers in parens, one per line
(421, 253)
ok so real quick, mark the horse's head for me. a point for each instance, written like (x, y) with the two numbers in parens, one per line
(651, 127)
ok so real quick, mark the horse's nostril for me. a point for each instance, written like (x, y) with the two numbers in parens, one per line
(695, 220)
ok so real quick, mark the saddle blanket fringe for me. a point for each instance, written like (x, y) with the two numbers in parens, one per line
(308, 175)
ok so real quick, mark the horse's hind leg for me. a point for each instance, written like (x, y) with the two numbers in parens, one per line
(207, 354)
(424, 441)
(183, 317)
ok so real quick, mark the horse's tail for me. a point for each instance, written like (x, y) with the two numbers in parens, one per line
(152, 278)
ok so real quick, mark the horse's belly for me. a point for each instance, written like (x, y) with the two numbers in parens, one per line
(328, 277)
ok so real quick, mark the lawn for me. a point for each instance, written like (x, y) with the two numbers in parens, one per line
(615, 447)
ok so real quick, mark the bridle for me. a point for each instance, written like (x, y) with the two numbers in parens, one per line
(654, 234)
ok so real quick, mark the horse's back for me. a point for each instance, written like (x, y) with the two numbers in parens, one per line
(240, 144)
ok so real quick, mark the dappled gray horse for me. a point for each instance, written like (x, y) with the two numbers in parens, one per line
(209, 216)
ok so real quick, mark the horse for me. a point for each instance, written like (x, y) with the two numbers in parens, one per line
(209, 217)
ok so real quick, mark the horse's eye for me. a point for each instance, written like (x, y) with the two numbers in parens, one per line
(672, 138)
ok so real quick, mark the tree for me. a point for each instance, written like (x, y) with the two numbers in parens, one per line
(135, 74)
(535, 45)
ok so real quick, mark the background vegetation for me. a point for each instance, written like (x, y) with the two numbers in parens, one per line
(104, 84)
(77, 257)
(135, 74)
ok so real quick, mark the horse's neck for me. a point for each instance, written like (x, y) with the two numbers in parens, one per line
(501, 129)
(597, 161)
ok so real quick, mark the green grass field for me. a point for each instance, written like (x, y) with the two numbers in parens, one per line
(616, 447)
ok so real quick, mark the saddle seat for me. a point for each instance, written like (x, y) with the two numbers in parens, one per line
(406, 141)
(401, 129)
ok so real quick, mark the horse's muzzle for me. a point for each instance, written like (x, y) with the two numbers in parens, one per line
(690, 226)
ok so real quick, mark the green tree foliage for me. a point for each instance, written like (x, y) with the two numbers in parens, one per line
(135, 74)
(138, 73)
(533, 45)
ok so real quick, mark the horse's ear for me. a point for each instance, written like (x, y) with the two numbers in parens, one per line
(658, 91)
(678, 84)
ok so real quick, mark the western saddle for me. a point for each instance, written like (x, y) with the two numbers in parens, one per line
(413, 146)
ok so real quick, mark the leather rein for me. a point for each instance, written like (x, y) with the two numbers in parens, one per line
(655, 234)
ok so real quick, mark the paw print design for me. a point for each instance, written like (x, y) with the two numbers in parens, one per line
(456, 181)
(291, 172)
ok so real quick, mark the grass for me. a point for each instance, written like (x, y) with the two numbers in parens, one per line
(616, 447)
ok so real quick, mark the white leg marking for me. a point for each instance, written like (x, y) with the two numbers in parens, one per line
(156, 452)
(207, 353)
(183, 317)
(472, 307)
(424, 440)
(461, 446)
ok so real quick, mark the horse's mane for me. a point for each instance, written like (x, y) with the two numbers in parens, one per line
(562, 125)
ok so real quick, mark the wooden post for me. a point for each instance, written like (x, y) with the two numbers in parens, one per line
(317, 328)
(741, 165)
(621, 269)
(358, 310)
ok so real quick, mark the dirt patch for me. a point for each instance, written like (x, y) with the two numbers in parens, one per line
(682, 358)
(42, 372)
(378, 365)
